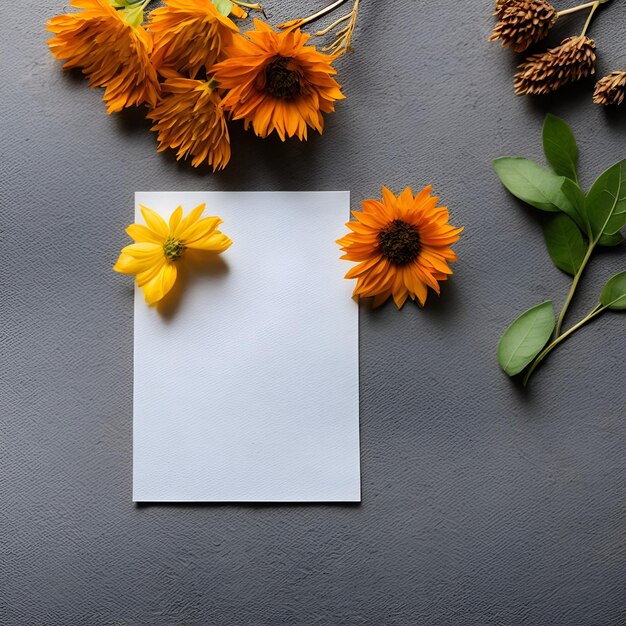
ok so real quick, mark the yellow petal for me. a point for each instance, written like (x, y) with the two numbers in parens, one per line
(154, 221)
(147, 275)
(143, 249)
(215, 242)
(129, 265)
(200, 229)
(175, 218)
(156, 289)
(188, 220)
(139, 232)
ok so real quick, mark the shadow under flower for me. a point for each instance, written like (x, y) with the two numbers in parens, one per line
(73, 76)
(132, 120)
(193, 266)
(266, 161)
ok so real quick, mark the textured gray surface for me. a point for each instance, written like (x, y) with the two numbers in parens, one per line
(481, 504)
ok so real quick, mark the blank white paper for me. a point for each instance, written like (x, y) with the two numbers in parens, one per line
(248, 390)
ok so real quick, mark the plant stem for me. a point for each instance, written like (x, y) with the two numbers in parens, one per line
(343, 37)
(315, 16)
(596, 311)
(333, 25)
(591, 13)
(250, 6)
(572, 290)
(581, 7)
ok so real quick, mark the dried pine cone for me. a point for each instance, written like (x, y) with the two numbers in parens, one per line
(611, 89)
(524, 23)
(542, 73)
(500, 4)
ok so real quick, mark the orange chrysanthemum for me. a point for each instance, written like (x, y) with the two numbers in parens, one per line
(402, 246)
(189, 118)
(277, 83)
(189, 35)
(111, 48)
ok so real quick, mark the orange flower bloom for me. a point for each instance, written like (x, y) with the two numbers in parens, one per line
(112, 49)
(276, 82)
(189, 117)
(402, 245)
(189, 35)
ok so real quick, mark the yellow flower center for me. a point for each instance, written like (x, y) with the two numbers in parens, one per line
(173, 248)
(399, 242)
(280, 81)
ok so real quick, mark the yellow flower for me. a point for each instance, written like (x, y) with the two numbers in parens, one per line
(189, 117)
(402, 246)
(112, 49)
(159, 246)
(189, 35)
(277, 83)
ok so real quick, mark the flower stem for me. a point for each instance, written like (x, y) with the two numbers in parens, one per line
(250, 6)
(306, 20)
(333, 25)
(542, 355)
(572, 291)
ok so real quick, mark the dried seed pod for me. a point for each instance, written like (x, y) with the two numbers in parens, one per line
(548, 71)
(611, 90)
(501, 5)
(523, 23)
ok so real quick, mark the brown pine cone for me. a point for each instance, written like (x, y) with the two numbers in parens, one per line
(610, 90)
(523, 23)
(548, 71)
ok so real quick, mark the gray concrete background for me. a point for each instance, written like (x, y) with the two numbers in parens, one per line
(482, 504)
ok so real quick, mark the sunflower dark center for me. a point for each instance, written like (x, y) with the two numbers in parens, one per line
(173, 248)
(280, 81)
(399, 242)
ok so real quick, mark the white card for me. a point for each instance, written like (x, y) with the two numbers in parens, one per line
(247, 391)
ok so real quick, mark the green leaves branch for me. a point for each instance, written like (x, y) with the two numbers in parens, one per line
(579, 224)
(613, 297)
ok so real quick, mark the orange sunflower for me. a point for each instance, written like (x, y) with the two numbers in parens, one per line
(189, 118)
(189, 35)
(277, 83)
(402, 246)
(112, 49)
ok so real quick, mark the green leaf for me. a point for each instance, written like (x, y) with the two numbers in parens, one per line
(560, 147)
(611, 240)
(614, 293)
(565, 243)
(134, 15)
(575, 207)
(605, 205)
(532, 183)
(223, 6)
(525, 337)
